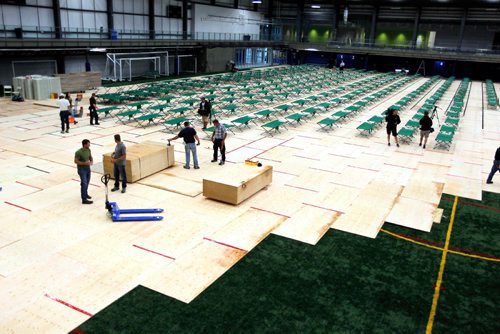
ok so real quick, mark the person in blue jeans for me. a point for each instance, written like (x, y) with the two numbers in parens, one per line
(119, 158)
(189, 135)
(83, 161)
(495, 167)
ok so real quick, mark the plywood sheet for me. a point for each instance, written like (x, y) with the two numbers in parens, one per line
(412, 213)
(437, 216)
(423, 190)
(463, 187)
(171, 182)
(366, 216)
(308, 224)
(188, 276)
(248, 229)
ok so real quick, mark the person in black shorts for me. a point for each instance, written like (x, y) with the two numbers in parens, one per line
(392, 120)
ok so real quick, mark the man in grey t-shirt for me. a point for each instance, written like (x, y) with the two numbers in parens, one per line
(119, 157)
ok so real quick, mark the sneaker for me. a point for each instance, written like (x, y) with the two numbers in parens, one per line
(388, 144)
(87, 202)
(62, 131)
(213, 161)
(115, 189)
(67, 131)
(97, 123)
(420, 145)
(489, 182)
(221, 163)
(423, 146)
(196, 167)
(89, 197)
(124, 191)
(397, 145)
(186, 167)
(76, 122)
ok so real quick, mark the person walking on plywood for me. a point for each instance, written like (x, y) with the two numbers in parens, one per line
(495, 167)
(204, 111)
(63, 105)
(189, 135)
(93, 110)
(83, 161)
(392, 120)
(219, 139)
(119, 157)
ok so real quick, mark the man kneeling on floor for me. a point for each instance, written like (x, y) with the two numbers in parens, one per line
(189, 135)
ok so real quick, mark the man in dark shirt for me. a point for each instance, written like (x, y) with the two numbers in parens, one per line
(425, 128)
(119, 159)
(93, 110)
(495, 167)
(204, 111)
(83, 161)
(392, 120)
(189, 135)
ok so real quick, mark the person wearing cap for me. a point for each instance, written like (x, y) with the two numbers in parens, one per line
(204, 111)
(63, 105)
(189, 135)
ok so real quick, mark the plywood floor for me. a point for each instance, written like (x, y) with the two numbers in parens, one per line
(61, 262)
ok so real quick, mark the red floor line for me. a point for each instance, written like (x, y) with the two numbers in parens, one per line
(274, 213)
(17, 206)
(271, 148)
(375, 170)
(77, 331)
(270, 159)
(92, 184)
(322, 207)
(29, 185)
(377, 155)
(300, 156)
(429, 242)
(356, 145)
(296, 148)
(385, 163)
(277, 171)
(340, 155)
(420, 155)
(152, 251)
(307, 189)
(251, 142)
(481, 206)
(324, 170)
(308, 137)
(223, 244)
(69, 305)
(345, 185)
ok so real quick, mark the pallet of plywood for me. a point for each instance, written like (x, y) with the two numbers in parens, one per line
(143, 159)
(234, 184)
(80, 81)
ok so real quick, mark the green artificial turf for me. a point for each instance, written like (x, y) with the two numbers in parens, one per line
(344, 284)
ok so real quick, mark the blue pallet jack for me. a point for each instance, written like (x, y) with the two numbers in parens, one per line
(116, 213)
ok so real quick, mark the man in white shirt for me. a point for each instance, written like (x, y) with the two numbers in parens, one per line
(64, 112)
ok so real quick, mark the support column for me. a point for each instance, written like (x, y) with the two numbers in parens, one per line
(151, 17)
(184, 19)
(56, 8)
(235, 4)
(415, 27)
(462, 29)
(335, 22)
(300, 15)
(373, 29)
(270, 5)
(109, 13)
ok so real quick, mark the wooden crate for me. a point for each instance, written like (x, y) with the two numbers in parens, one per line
(143, 159)
(235, 183)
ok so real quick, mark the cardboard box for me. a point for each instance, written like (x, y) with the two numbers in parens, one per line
(235, 183)
(143, 160)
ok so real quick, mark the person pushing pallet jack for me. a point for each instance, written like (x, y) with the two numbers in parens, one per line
(116, 213)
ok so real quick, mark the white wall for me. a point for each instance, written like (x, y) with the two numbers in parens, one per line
(219, 20)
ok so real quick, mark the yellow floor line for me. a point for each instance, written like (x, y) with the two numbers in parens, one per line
(440, 248)
(437, 290)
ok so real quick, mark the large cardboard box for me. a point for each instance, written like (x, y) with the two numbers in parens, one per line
(143, 159)
(235, 183)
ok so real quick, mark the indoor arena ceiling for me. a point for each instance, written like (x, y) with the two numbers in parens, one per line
(412, 3)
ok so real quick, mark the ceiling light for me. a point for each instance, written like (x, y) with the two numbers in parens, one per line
(256, 1)
(316, 6)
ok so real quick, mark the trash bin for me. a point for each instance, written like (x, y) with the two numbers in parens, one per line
(114, 35)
